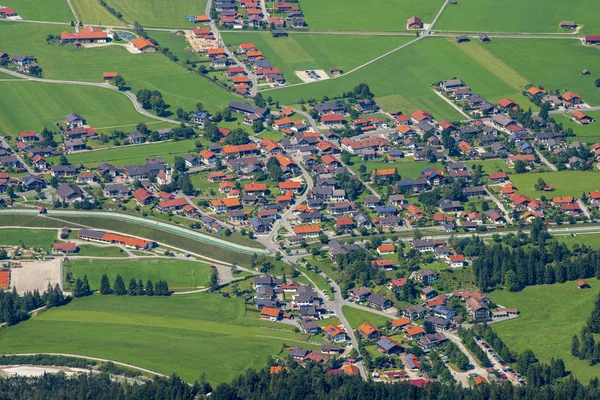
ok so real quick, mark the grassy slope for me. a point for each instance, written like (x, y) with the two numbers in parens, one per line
(159, 13)
(189, 335)
(518, 16)
(300, 52)
(374, 15)
(30, 238)
(178, 273)
(550, 316)
(404, 78)
(91, 12)
(567, 183)
(46, 10)
(356, 317)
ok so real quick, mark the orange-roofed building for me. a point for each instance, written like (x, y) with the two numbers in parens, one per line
(507, 103)
(285, 161)
(231, 202)
(143, 45)
(396, 283)
(399, 323)
(294, 186)
(384, 172)
(386, 249)
(479, 380)
(88, 34)
(255, 187)
(582, 118)
(535, 91)
(595, 195)
(369, 331)
(244, 47)
(421, 116)
(270, 313)
(288, 111)
(283, 123)
(498, 177)
(350, 369)
(109, 76)
(563, 200)
(240, 150)
(312, 230)
(202, 18)
(254, 54)
(414, 332)
(331, 160)
(276, 369)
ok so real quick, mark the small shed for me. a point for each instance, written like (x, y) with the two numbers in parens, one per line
(581, 284)
(461, 39)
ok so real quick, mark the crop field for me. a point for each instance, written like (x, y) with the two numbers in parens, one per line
(356, 317)
(159, 13)
(179, 274)
(47, 10)
(584, 133)
(403, 80)
(188, 335)
(357, 15)
(407, 167)
(533, 59)
(28, 237)
(550, 316)
(301, 52)
(91, 12)
(132, 155)
(566, 183)
(519, 16)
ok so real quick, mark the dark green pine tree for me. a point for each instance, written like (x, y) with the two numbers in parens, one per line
(86, 286)
(594, 321)
(78, 291)
(149, 288)
(132, 287)
(105, 285)
(575, 346)
(140, 288)
(119, 286)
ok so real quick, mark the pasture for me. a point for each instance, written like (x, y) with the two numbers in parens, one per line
(35, 105)
(28, 238)
(188, 335)
(47, 10)
(403, 79)
(180, 274)
(91, 12)
(550, 316)
(301, 52)
(566, 183)
(357, 316)
(407, 167)
(584, 133)
(376, 15)
(89, 250)
(159, 13)
(518, 16)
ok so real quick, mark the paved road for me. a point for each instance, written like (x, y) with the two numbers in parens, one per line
(478, 369)
(492, 197)
(545, 160)
(452, 104)
(427, 32)
(5, 144)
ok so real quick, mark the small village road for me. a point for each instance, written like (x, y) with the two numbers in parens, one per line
(545, 160)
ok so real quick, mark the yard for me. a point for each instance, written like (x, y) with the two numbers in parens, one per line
(407, 167)
(566, 183)
(88, 250)
(489, 166)
(28, 237)
(188, 335)
(179, 274)
(584, 133)
(159, 13)
(550, 316)
(357, 316)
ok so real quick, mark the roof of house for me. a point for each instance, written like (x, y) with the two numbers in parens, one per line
(141, 43)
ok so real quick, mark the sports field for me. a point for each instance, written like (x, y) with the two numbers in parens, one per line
(407, 167)
(91, 12)
(402, 81)
(34, 105)
(159, 13)
(550, 316)
(28, 237)
(374, 15)
(301, 52)
(356, 317)
(132, 155)
(519, 16)
(180, 274)
(584, 133)
(566, 183)
(189, 334)
(46, 10)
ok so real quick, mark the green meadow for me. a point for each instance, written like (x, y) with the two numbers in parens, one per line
(585, 133)
(550, 316)
(28, 237)
(91, 12)
(407, 167)
(566, 183)
(356, 317)
(89, 250)
(188, 334)
(47, 10)
(305, 51)
(159, 13)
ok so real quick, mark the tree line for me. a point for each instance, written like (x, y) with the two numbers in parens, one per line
(135, 288)
(15, 308)
(584, 346)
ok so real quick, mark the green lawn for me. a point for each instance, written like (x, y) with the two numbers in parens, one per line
(566, 183)
(301, 52)
(47, 10)
(357, 316)
(132, 155)
(588, 239)
(89, 250)
(550, 316)
(374, 15)
(402, 81)
(159, 13)
(518, 16)
(535, 59)
(179, 274)
(188, 335)
(91, 12)
(490, 166)
(178, 45)
(407, 167)
(28, 237)
(584, 133)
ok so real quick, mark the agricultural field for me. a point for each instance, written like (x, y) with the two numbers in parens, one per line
(550, 316)
(357, 316)
(566, 183)
(301, 52)
(159, 13)
(35, 105)
(518, 16)
(407, 167)
(584, 133)
(533, 59)
(47, 10)
(180, 274)
(28, 237)
(376, 15)
(188, 335)
(91, 12)
(402, 81)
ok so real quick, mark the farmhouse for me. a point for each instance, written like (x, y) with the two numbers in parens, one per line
(414, 23)
(64, 248)
(143, 45)
(88, 34)
(582, 118)
(104, 237)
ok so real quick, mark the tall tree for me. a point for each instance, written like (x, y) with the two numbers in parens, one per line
(119, 286)
(105, 285)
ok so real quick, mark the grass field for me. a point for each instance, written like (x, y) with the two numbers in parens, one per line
(518, 16)
(536, 60)
(91, 12)
(407, 167)
(159, 13)
(89, 250)
(131, 155)
(489, 166)
(588, 239)
(550, 316)
(177, 45)
(300, 52)
(179, 274)
(356, 317)
(402, 81)
(189, 335)
(47, 10)
(375, 15)
(584, 133)
(35, 105)
(28, 237)
(566, 183)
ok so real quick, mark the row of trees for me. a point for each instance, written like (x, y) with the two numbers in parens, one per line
(584, 346)
(135, 288)
(15, 308)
